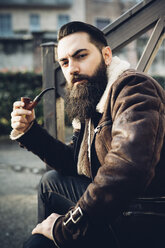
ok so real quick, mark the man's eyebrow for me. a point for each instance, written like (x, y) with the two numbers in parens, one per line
(74, 54)
(78, 51)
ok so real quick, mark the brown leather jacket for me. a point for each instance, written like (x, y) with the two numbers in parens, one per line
(127, 145)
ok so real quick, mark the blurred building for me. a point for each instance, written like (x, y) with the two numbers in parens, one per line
(102, 12)
(25, 24)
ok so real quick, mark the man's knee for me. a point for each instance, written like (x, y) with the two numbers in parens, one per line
(49, 181)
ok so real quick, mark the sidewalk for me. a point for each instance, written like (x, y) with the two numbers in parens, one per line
(20, 173)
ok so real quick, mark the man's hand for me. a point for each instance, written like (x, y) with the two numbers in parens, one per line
(45, 227)
(21, 118)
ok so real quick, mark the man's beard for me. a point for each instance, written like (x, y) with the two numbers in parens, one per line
(81, 99)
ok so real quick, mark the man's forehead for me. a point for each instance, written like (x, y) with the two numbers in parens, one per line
(73, 42)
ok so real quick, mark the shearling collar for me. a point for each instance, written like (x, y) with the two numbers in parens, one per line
(116, 68)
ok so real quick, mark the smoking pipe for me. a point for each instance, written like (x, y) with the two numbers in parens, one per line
(29, 105)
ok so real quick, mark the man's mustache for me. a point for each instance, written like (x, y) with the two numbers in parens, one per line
(79, 77)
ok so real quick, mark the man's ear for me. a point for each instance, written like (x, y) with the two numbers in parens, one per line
(107, 55)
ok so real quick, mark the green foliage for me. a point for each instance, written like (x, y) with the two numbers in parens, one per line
(15, 85)
(12, 87)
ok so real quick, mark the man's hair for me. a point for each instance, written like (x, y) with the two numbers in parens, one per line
(96, 36)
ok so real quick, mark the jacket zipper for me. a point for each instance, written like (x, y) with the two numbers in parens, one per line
(98, 128)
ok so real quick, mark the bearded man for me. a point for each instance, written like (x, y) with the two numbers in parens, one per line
(106, 188)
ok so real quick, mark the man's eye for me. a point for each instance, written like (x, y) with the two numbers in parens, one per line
(64, 63)
(82, 55)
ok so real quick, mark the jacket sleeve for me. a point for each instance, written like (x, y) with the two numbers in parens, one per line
(56, 154)
(137, 112)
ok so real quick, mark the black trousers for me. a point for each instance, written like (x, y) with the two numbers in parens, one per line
(57, 194)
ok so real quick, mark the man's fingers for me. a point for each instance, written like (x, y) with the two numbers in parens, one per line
(18, 122)
(18, 104)
(18, 112)
(46, 226)
(19, 118)
(18, 125)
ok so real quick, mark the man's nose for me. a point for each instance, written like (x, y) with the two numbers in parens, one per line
(74, 68)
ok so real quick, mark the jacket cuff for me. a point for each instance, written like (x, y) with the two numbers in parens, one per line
(29, 134)
(69, 229)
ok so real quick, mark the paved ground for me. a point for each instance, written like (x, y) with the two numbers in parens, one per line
(20, 173)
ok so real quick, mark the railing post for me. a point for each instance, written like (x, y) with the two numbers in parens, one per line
(53, 104)
(152, 46)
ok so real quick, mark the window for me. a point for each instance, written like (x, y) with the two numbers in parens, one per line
(5, 24)
(62, 19)
(102, 22)
(34, 22)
